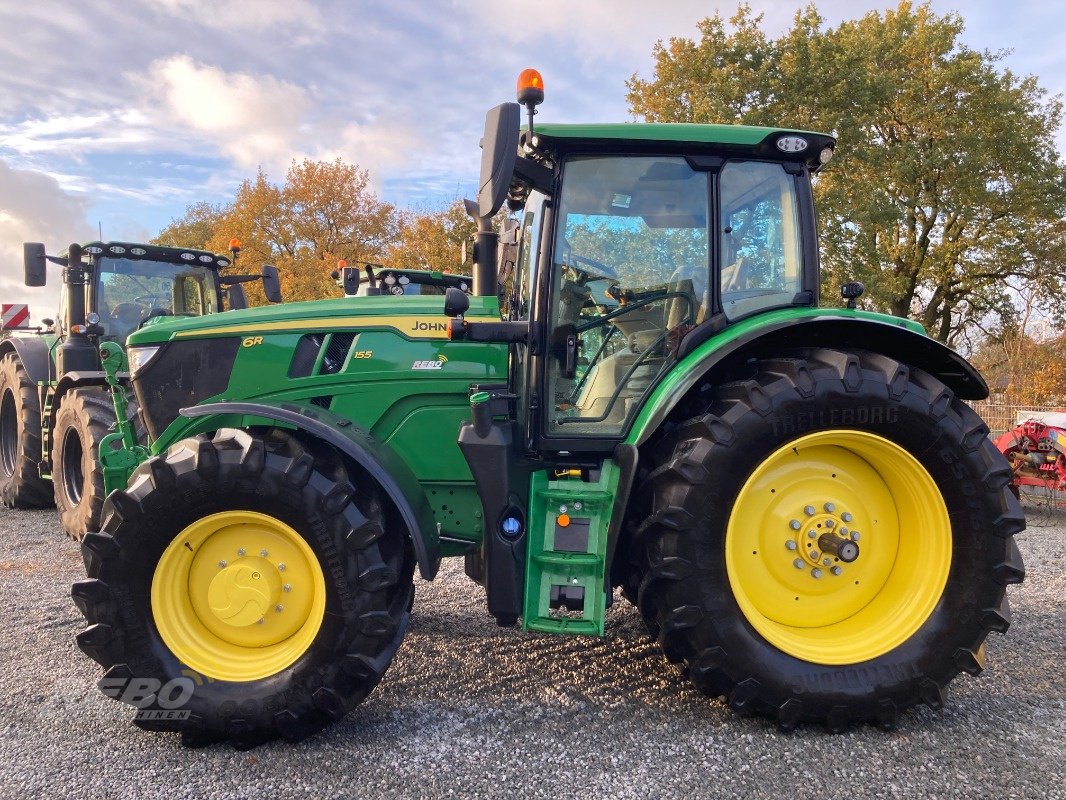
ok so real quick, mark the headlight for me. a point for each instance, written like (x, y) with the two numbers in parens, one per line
(139, 357)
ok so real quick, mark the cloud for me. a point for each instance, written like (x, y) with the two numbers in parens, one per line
(295, 15)
(253, 119)
(33, 207)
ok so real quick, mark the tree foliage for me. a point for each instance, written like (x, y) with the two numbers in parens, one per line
(433, 240)
(323, 212)
(946, 182)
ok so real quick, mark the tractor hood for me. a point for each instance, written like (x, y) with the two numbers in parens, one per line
(417, 317)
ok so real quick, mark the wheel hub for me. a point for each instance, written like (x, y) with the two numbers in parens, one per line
(823, 540)
(243, 592)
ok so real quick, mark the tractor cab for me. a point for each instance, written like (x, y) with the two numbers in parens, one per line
(637, 242)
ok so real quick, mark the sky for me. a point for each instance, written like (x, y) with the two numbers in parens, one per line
(116, 115)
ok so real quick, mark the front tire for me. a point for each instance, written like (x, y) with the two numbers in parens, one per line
(740, 570)
(20, 439)
(259, 575)
(82, 421)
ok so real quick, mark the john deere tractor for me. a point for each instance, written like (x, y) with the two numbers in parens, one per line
(798, 501)
(54, 405)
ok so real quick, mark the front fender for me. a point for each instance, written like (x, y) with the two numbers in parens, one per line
(33, 352)
(376, 457)
(782, 331)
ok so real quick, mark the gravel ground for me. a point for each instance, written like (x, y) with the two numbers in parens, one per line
(469, 709)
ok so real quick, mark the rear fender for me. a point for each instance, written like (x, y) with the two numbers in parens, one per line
(374, 456)
(773, 334)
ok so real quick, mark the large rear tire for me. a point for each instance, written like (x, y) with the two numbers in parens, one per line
(20, 439)
(254, 578)
(829, 541)
(82, 421)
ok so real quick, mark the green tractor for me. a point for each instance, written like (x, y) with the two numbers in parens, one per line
(798, 501)
(54, 403)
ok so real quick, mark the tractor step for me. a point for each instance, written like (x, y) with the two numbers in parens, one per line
(566, 555)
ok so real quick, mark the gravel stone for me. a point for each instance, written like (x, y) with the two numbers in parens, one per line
(472, 710)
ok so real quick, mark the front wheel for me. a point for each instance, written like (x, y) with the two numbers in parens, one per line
(82, 421)
(242, 589)
(829, 541)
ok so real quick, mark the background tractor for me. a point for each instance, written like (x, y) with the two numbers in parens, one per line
(797, 500)
(54, 405)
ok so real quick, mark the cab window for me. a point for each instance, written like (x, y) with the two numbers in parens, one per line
(761, 257)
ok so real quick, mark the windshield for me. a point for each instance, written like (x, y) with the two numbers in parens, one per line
(130, 291)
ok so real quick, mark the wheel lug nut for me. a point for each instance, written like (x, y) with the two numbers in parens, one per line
(241, 551)
(795, 524)
(798, 563)
(827, 561)
(263, 553)
(808, 510)
(281, 567)
(221, 564)
(842, 531)
(854, 536)
(815, 555)
(287, 587)
(829, 508)
(837, 571)
(846, 516)
(791, 545)
(816, 573)
(812, 535)
(279, 608)
(260, 621)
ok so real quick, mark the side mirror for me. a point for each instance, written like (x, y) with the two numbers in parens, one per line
(34, 264)
(237, 297)
(456, 302)
(271, 283)
(498, 157)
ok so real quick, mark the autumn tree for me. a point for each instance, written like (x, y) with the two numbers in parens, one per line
(323, 212)
(946, 182)
(433, 239)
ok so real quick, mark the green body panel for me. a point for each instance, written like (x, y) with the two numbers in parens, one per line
(584, 502)
(677, 381)
(664, 132)
(403, 383)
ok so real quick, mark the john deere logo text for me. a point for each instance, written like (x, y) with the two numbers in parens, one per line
(429, 326)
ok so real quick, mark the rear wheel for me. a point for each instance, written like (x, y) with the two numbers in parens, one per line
(262, 587)
(20, 439)
(830, 541)
(82, 421)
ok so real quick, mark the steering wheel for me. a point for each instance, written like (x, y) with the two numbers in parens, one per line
(602, 270)
(149, 299)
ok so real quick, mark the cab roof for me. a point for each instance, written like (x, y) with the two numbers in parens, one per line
(727, 139)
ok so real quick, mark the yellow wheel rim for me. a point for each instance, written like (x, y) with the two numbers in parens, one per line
(787, 545)
(238, 596)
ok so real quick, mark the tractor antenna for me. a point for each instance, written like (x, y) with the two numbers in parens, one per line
(530, 92)
(100, 229)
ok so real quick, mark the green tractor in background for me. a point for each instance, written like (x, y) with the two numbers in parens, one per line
(54, 404)
(797, 499)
